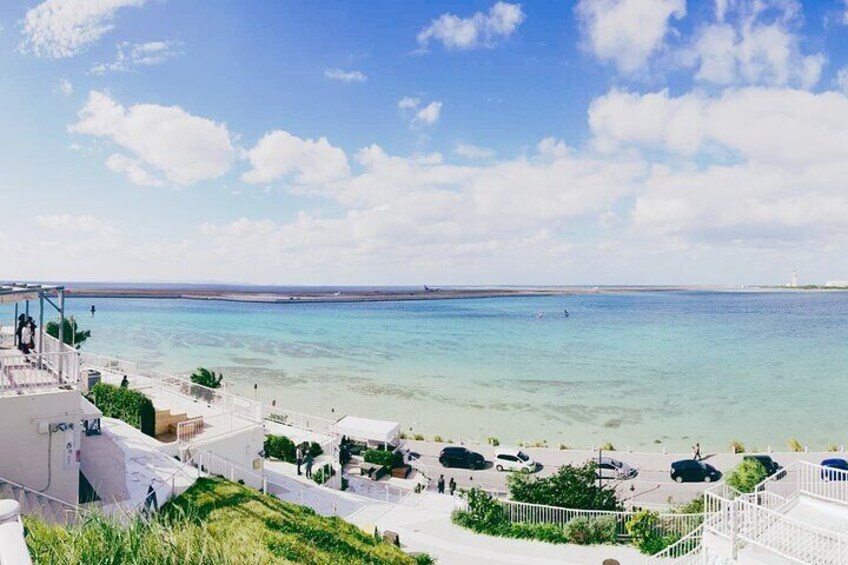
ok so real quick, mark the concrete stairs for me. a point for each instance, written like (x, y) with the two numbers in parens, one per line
(32, 503)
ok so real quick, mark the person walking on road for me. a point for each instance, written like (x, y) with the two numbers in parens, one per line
(696, 452)
(452, 486)
(440, 485)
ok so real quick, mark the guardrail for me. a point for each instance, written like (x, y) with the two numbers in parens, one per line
(685, 550)
(69, 512)
(810, 479)
(166, 489)
(19, 371)
(299, 420)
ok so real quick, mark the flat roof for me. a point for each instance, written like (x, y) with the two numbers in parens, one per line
(17, 292)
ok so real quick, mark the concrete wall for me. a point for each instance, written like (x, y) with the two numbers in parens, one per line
(25, 442)
(241, 447)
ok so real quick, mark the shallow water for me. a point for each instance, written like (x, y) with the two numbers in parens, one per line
(632, 368)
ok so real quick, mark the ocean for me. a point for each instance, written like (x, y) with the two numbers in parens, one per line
(644, 370)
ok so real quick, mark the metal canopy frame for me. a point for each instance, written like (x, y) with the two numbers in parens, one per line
(24, 292)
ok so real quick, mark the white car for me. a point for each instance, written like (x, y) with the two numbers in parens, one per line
(507, 459)
(609, 468)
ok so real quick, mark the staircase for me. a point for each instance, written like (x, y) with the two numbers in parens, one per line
(32, 503)
(797, 517)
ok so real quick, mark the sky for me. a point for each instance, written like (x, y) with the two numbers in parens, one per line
(407, 143)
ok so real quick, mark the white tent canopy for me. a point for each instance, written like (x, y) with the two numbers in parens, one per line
(366, 429)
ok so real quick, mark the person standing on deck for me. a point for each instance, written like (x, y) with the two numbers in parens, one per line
(309, 462)
(299, 459)
(440, 485)
(21, 324)
(31, 326)
(26, 338)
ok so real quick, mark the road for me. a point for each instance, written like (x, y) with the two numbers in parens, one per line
(651, 488)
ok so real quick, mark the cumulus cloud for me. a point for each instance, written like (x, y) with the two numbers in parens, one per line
(842, 79)
(408, 103)
(280, 154)
(133, 169)
(754, 42)
(345, 76)
(419, 115)
(627, 32)
(476, 31)
(63, 28)
(182, 147)
(472, 151)
(131, 55)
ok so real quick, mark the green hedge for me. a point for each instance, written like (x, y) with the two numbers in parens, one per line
(747, 475)
(280, 447)
(383, 458)
(131, 406)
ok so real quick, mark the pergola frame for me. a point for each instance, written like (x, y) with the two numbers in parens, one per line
(25, 292)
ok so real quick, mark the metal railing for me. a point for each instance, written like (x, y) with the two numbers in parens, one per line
(166, 489)
(803, 477)
(685, 550)
(524, 512)
(20, 372)
(299, 420)
(65, 512)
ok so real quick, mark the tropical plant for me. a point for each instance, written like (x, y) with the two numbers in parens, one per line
(570, 487)
(795, 445)
(125, 404)
(493, 441)
(737, 446)
(71, 333)
(207, 378)
(607, 447)
(747, 475)
(590, 531)
(645, 535)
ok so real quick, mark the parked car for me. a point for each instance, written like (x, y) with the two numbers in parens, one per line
(772, 468)
(508, 459)
(837, 470)
(609, 468)
(692, 471)
(461, 457)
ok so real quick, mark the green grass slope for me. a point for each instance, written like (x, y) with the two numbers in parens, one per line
(214, 522)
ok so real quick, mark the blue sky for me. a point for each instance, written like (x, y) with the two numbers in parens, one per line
(590, 142)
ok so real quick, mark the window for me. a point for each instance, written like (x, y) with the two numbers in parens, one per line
(522, 456)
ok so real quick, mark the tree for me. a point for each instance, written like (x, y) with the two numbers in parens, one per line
(747, 475)
(571, 487)
(71, 333)
(207, 378)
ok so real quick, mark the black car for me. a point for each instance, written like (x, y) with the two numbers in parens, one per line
(461, 457)
(772, 468)
(692, 471)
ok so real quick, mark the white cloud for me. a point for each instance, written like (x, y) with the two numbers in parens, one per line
(132, 55)
(183, 147)
(65, 87)
(757, 45)
(63, 28)
(408, 103)
(428, 115)
(133, 169)
(280, 154)
(345, 76)
(472, 151)
(627, 32)
(479, 30)
(81, 224)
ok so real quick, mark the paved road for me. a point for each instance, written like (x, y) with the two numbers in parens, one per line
(652, 487)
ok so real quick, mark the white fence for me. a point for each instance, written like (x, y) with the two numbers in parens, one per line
(19, 372)
(809, 479)
(523, 512)
(299, 420)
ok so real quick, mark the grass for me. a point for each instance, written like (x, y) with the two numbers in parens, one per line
(214, 522)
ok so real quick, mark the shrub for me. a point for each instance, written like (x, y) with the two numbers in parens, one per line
(607, 447)
(695, 506)
(832, 447)
(485, 515)
(383, 458)
(438, 439)
(280, 447)
(737, 446)
(323, 474)
(747, 475)
(590, 531)
(571, 487)
(315, 450)
(70, 332)
(418, 437)
(493, 441)
(644, 533)
(131, 406)
(795, 445)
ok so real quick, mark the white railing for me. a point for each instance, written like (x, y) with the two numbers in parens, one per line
(379, 490)
(803, 477)
(685, 550)
(788, 537)
(524, 512)
(298, 420)
(20, 372)
(64, 511)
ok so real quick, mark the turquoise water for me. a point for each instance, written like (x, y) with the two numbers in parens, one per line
(628, 368)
